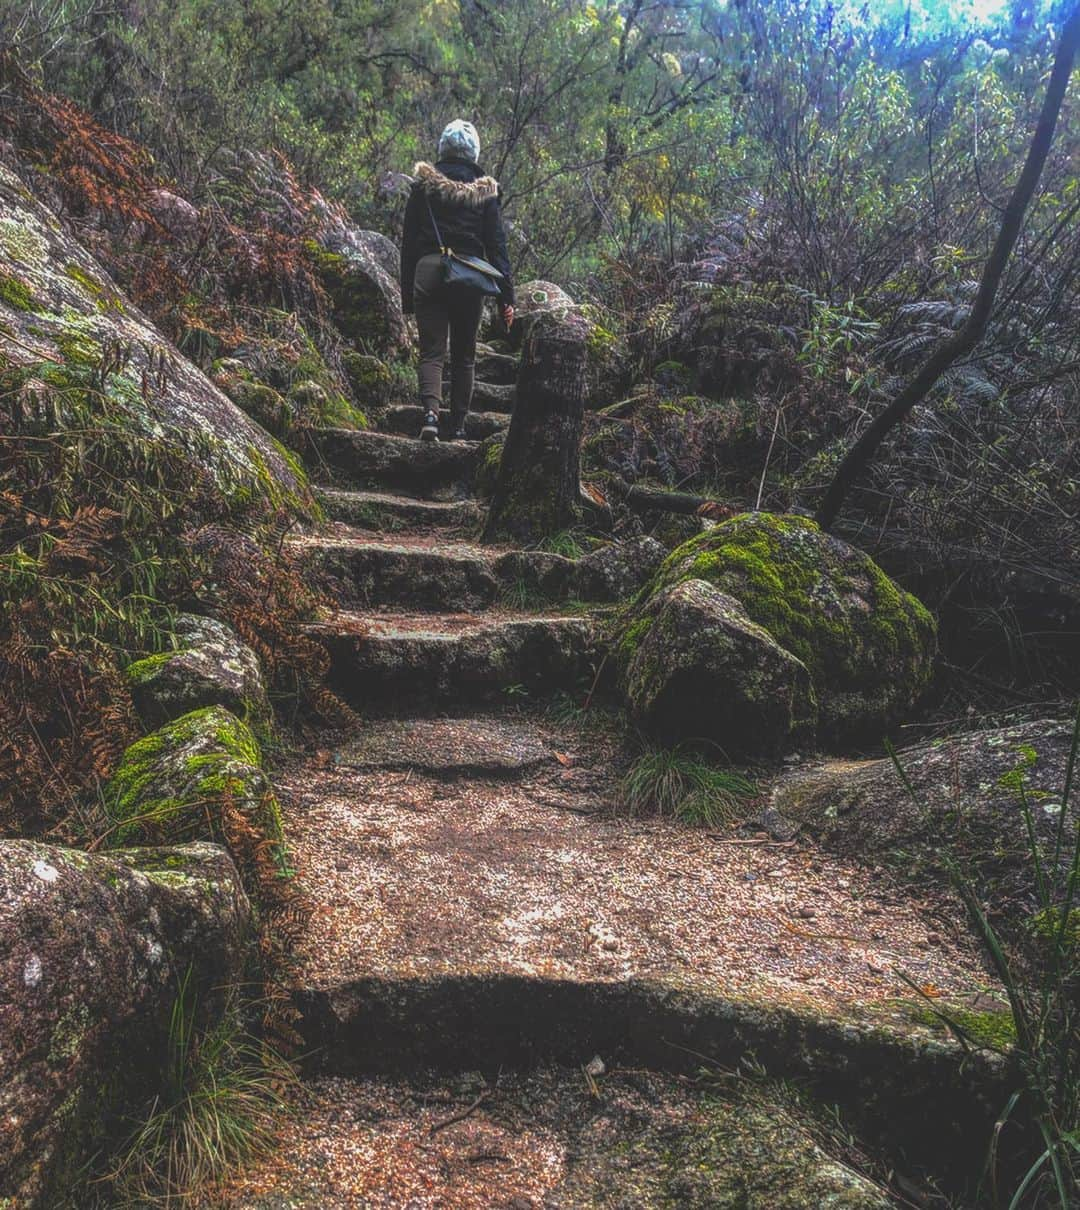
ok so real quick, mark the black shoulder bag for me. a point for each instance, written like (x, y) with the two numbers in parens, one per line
(471, 271)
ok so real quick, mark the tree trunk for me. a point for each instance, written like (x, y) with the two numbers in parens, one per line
(539, 483)
(973, 330)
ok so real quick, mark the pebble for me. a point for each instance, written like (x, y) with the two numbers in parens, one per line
(807, 913)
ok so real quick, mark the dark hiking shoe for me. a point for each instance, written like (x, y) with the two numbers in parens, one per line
(459, 435)
(430, 431)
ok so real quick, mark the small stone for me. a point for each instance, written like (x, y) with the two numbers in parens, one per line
(933, 938)
(807, 913)
(595, 1066)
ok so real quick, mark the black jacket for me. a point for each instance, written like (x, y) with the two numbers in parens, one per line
(465, 203)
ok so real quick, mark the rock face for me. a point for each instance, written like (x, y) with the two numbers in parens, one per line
(963, 798)
(59, 310)
(697, 668)
(867, 645)
(210, 668)
(91, 951)
(176, 783)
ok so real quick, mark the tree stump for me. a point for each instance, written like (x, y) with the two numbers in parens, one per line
(537, 493)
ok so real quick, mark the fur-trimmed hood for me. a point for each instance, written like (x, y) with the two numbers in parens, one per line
(458, 193)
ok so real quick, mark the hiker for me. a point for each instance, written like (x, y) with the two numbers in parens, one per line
(453, 255)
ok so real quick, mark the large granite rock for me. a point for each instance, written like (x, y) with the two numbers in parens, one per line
(92, 948)
(867, 644)
(61, 314)
(960, 800)
(698, 669)
(617, 570)
(210, 667)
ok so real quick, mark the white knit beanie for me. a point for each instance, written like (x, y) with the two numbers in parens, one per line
(459, 141)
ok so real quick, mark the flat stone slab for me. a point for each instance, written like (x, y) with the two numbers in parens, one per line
(407, 419)
(428, 571)
(551, 1139)
(435, 470)
(425, 662)
(385, 511)
(448, 746)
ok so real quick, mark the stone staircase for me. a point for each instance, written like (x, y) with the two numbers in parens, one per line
(483, 904)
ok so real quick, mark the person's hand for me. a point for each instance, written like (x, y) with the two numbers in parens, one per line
(507, 312)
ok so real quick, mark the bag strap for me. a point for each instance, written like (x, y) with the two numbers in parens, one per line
(434, 224)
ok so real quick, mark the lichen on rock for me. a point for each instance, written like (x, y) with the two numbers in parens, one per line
(211, 667)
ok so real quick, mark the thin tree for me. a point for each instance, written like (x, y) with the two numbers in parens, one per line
(973, 330)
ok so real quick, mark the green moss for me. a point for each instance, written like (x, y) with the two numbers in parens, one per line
(79, 275)
(994, 1030)
(146, 669)
(16, 294)
(487, 467)
(778, 567)
(172, 784)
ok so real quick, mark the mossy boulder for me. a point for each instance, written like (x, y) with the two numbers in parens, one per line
(177, 783)
(63, 319)
(261, 402)
(210, 667)
(92, 948)
(697, 668)
(868, 645)
(370, 378)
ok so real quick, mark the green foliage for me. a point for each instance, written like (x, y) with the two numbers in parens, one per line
(678, 782)
(220, 1104)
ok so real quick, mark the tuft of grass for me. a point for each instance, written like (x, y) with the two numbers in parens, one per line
(564, 543)
(1043, 990)
(678, 782)
(219, 1107)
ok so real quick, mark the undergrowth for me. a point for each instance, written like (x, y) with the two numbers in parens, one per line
(1036, 1140)
(679, 783)
(218, 1107)
(107, 528)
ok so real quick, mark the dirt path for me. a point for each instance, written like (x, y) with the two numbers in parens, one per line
(484, 905)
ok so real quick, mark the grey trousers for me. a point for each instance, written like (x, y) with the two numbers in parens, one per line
(440, 311)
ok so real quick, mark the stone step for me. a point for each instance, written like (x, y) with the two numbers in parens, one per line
(384, 511)
(488, 397)
(480, 922)
(546, 1138)
(499, 369)
(432, 470)
(406, 419)
(387, 663)
(421, 571)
